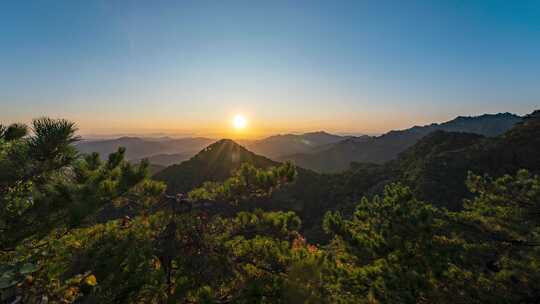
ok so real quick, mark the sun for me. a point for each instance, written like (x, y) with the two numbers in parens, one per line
(239, 122)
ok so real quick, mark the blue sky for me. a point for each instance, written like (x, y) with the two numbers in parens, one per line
(343, 66)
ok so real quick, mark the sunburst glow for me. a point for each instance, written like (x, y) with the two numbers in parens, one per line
(239, 122)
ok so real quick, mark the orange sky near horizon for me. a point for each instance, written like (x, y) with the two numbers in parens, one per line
(257, 128)
(184, 68)
(160, 120)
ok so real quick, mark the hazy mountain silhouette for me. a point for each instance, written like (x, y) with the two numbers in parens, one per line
(168, 159)
(214, 163)
(165, 151)
(319, 151)
(153, 168)
(286, 144)
(339, 156)
(138, 148)
(435, 168)
(437, 165)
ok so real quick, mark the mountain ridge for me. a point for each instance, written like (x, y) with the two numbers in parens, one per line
(318, 150)
(138, 147)
(387, 146)
(214, 163)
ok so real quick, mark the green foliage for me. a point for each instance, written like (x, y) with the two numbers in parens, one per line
(508, 207)
(190, 258)
(71, 198)
(276, 224)
(51, 221)
(215, 163)
(24, 172)
(47, 149)
(13, 132)
(437, 166)
(392, 249)
(78, 229)
(502, 222)
(398, 249)
(44, 185)
(94, 184)
(247, 182)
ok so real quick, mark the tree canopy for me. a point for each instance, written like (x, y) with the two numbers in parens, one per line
(76, 228)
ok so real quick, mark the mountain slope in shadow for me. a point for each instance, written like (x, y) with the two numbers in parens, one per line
(214, 163)
(278, 146)
(386, 147)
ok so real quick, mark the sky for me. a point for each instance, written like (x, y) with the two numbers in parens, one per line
(188, 67)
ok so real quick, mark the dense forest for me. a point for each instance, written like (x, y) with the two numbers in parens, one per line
(455, 218)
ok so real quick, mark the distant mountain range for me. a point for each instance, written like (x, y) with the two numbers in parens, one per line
(380, 149)
(167, 159)
(434, 167)
(165, 151)
(161, 151)
(278, 146)
(319, 151)
(437, 165)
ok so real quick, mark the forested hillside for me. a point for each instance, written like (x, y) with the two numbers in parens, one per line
(214, 163)
(453, 219)
(165, 151)
(278, 146)
(436, 167)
